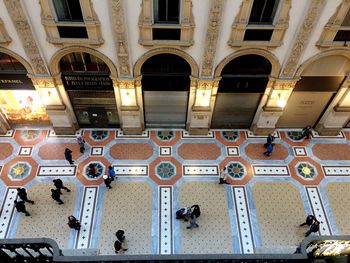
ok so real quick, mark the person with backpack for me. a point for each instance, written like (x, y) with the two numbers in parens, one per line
(59, 185)
(74, 223)
(22, 194)
(56, 195)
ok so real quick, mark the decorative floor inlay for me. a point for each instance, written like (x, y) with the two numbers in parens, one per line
(295, 135)
(244, 226)
(99, 167)
(299, 151)
(86, 217)
(336, 170)
(25, 151)
(230, 135)
(9, 133)
(52, 133)
(20, 170)
(57, 170)
(6, 211)
(250, 134)
(144, 134)
(236, 170)
(99, 135)
(165, 135)
(269, 170)
(186, 134)
(30, 135)
(316, 135)
(305, 170)
(318, 210)
(232, 151)
(200, 170)
(127, 170)
(97, 151)
(165, 170)
(165, 151)
(165, 220)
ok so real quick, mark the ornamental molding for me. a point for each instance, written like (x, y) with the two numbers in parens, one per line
(42, 82)
(211, 40)
(5, 38)
(303, 37)
(285, 84)
(120, 37)
(21, 24)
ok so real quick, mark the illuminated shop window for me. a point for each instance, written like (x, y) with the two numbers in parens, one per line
(22, 105)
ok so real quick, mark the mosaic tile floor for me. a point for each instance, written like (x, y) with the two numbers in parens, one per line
(160, 171)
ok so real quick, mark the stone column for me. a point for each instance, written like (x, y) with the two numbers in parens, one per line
(60, 116)
(4, 125)
(203, 94)
(274, 100)
(338, 112)
(128, 98)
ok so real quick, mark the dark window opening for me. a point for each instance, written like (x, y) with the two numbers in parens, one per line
(263, 12)
(9, 64)
(166, 34)
(166, 11)
(72, 32)
(258, 35)
(68, 10)
(248, 65)
(247, 84)
(342, 35)
(85, 62)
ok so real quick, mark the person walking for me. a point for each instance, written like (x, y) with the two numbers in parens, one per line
(313, 228)
(21, 207)
(269, 140)
(120, 243)
(306, 132)
(68, 155)
(59, 185)
(193, 222)
(120, 235)
(111, 172)
(309, 220)
(92, 171)
(269, 150)
(22, 194)
(196, 210)
(56, 195)
(107, 181)
(223, 176)
(81, 143)
(74, 223)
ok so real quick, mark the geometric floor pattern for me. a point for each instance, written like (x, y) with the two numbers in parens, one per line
(160, 171)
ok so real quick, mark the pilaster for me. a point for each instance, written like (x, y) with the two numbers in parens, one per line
(4, 125)
(274, 100)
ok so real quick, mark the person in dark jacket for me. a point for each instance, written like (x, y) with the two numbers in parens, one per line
(309, 220)
(59, 185)
(306, 132)
(21, 207)
(22, 194)
(196, 210)
(269, 150)
(313, 228)
(56, 195)
(92, 171)
(107, 181)
(120, 235)
(68, 155)
(269, 140)
(74, 223)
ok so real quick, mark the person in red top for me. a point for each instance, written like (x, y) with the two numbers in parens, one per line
(92, 171)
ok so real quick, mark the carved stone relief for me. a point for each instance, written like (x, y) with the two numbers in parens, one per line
(21, 24)
(4, 36)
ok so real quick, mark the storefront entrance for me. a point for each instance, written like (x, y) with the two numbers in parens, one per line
(165, 85)
(243, 82)
(90, 90)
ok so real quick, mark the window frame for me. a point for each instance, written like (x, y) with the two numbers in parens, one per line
(279, 25)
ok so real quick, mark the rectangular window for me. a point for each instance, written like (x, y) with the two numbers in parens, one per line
(68, 10)
(166, 11)
(72, 32)
(166, 34)
(258, 35)
(342, 35)
(263, 12)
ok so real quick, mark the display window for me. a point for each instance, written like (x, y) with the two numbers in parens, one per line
(22, 105)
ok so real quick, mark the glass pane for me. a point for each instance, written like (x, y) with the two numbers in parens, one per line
(173, 11)
(263, 11)
(68, 10)
(166, 11)
(10, 64)
(342, 35)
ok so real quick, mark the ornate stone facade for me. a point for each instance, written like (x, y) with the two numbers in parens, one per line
(120, 37)
(4, 36)
(214, 23)
(21, 24)
(302, 38)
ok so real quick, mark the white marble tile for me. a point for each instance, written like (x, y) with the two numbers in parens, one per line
(57, 170)
(125, 170)
(336, 170)
(299, 151)
(165, 151)
(25, 151)
(186, 134)
(269, 170)
(86, 217)
(318, 210)
(244, 225)
(97, 151)
(201, 170)
(7, 210)
(232, 151)
(144, 134)
(165, 216)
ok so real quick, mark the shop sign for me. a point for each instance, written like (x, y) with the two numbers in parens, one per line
(87, 82)
(15, 81)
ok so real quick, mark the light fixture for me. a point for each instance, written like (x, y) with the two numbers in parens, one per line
(281, 101)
